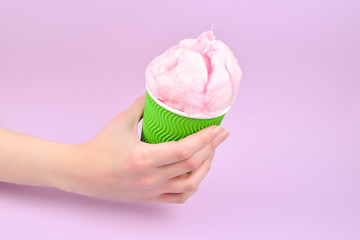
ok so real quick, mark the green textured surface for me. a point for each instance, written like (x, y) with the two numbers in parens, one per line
(161, 125)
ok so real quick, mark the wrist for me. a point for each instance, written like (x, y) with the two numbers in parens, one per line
(62, 166)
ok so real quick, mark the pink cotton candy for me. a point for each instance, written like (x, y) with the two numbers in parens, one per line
(199, 77)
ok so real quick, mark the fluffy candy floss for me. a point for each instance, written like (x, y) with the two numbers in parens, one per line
(199, 77)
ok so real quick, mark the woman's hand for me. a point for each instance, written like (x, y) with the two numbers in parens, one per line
(117, 165)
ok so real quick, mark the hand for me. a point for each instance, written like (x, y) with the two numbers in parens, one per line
(117, 165)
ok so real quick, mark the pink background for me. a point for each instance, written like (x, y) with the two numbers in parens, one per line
(291, 167)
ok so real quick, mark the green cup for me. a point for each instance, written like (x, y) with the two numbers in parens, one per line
(162, 123)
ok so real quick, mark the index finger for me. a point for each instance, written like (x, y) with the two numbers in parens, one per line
(171, 152)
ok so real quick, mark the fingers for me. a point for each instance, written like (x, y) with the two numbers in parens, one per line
(189, 182)
(192, 163)
(134, 113)
(219, 139)
(182, 167)
(171, 152)
(182, 188)
(174, 197)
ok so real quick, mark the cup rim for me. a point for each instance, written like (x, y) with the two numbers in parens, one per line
(173, 110)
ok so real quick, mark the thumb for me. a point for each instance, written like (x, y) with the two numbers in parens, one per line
(135, 112)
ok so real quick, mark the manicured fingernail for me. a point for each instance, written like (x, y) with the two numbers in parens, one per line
(228, 131)
(217, 131)
(224, 135)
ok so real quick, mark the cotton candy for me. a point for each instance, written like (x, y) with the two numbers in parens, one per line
(199, 77)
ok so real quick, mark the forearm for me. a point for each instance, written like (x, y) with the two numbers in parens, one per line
(33, 161)
(115, 164)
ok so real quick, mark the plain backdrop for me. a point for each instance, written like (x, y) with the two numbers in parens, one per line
(291, 166)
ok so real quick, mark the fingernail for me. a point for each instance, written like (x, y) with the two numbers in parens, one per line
(228, 131)
(217, 131)
(224, 135)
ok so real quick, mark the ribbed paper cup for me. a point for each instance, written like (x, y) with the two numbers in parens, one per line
(162, 123)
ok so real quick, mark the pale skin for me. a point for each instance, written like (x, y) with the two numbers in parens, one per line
(115, 164)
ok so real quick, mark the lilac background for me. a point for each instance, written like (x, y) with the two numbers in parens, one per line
(291, 167)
